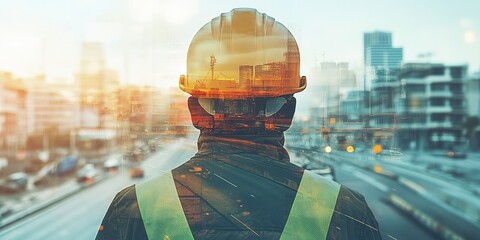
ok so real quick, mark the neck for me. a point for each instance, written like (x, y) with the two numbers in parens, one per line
(267, 146)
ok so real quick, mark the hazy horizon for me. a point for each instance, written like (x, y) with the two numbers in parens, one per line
(146, 41)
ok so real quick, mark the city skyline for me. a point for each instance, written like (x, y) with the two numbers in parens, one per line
(147, 42)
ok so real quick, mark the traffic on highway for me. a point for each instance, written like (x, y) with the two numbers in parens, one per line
(400, 194)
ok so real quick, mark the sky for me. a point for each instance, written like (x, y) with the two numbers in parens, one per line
(146, 41)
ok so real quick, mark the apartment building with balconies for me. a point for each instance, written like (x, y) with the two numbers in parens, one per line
(431, 106)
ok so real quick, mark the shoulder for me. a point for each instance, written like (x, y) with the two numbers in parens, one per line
(353, 213)
(351, 197)
(125, 203)
(123, 220)
(125, 195)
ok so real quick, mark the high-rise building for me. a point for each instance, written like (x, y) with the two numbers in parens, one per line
(13, 133)
(331, 80)
(97, 86)
(145, 110)
(292, 61)
(329, 84)
(245, 75)
(378, 53)
(51, 106)
(382, 64)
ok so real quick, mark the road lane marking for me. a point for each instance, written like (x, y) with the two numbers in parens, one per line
(225, 180)
(382, 187)
(245, 225)
(391, 237)
(412, 185)
(354, 219)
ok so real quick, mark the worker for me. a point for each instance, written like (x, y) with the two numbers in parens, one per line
(243, 68)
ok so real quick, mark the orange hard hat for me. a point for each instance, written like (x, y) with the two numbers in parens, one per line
(243, 54)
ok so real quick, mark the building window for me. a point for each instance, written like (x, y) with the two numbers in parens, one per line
(437, 102)
(416, 88)
(439, 71)
(456, 103)
(457, 119)
(456, 88)
(456, 72)
(416, 102)
(438, 117)
(419, 118)
(438, 86)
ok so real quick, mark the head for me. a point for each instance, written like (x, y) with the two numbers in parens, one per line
(242, 71)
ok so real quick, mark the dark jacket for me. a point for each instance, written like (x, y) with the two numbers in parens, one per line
(239, 179)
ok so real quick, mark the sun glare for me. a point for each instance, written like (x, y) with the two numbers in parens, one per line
(469, 36)
(175, 12)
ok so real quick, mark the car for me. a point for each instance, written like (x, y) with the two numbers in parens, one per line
(112, 163)
(197, 170)
(206, 173)
(453, 153)
(457, 154)
(434, 166)
(321, 169)
(15, 182)
(457, 173)
(134, 155)
(396, 152)
(87, 173)
(136, 172)
(4, 210)
(154, 145)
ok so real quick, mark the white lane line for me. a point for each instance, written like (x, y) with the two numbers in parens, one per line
(225, 180)
(245, 225)
(391, 237)
(372, 181)
(412, 185)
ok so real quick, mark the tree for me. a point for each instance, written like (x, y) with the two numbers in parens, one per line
(470, 126)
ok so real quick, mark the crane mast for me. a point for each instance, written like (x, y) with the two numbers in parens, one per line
(213, 60)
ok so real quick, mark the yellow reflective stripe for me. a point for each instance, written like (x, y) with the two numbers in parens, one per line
(309, 218)
(312, 208)
(161, 210)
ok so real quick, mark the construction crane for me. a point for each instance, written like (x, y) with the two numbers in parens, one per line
(200, 82)
(213, 60)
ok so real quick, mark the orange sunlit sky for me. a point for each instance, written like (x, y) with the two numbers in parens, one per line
(146, 41)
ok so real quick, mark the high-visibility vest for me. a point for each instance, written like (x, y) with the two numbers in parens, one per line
(309, 217)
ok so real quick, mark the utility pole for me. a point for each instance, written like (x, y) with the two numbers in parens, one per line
(73, 141)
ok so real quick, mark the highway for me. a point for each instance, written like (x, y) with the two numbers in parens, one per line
(79, 216)
(417, 188)
(76, 217)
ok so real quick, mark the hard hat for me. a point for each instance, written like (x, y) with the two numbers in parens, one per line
(243, 54)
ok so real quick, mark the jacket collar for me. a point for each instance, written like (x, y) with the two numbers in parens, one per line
(263, 146)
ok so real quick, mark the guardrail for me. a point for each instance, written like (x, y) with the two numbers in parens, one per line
(41, 205)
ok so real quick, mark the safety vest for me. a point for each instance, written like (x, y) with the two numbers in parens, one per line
(309, 217)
